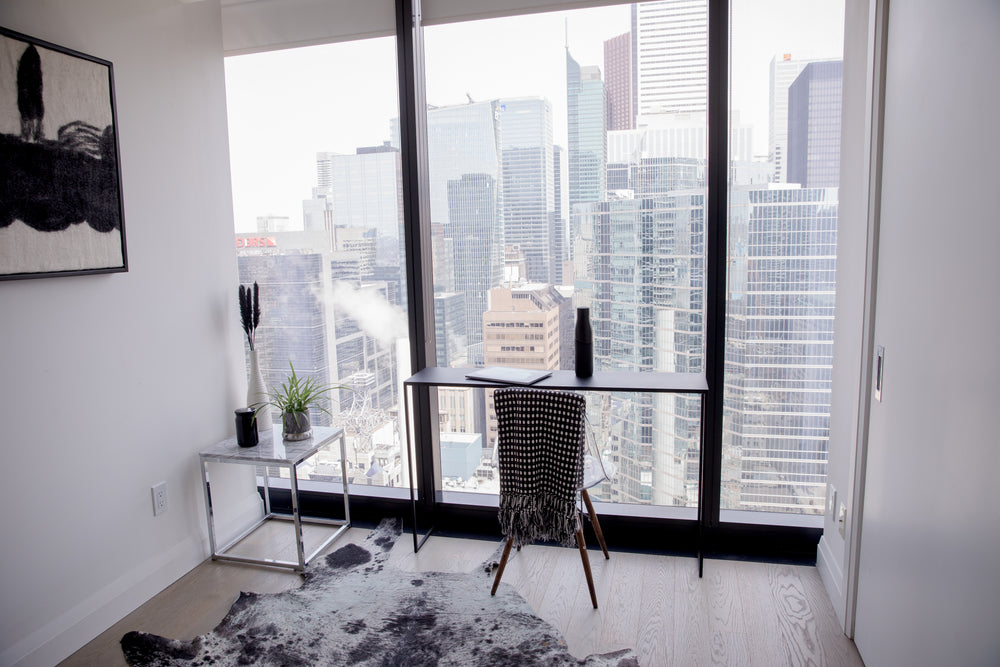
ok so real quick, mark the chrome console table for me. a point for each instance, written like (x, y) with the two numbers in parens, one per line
(272, 450)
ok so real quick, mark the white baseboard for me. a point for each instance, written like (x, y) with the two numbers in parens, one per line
(72, 629)
(832, 575)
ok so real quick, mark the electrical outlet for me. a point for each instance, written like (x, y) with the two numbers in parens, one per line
(842, 519)
(831, 499)
(159, 498)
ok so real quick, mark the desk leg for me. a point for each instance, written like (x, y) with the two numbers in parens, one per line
(296, 518)
(411, 453)
(701, 553)
(206, 487)
(701, 489)
(343, 478)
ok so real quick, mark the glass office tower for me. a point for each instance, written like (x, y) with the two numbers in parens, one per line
(528, 170)
(466, 207)
(814, 101)
(779, 353)
(587, 141)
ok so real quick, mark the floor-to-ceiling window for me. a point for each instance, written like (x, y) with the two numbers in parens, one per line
(785, 88)
(567, 163)
(542, 202)
(318, 223)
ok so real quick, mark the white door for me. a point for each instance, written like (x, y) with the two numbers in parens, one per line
(929, 564)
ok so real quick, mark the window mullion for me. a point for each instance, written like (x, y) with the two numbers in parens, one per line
(417, 272)
(715, 274)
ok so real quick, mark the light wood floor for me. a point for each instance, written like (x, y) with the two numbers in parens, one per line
(740, 613)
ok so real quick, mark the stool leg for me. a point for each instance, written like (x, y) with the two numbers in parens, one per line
(586, 561)
(595, 522)
(503, 564)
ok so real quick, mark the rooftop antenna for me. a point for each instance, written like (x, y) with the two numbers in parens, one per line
(567, 32)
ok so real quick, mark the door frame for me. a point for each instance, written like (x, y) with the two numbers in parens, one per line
(878, 14)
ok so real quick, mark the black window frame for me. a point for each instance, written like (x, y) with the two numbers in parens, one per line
(708, 535)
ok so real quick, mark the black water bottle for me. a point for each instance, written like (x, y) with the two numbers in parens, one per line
(584, 338)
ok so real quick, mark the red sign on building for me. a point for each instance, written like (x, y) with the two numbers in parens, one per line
(256, 242)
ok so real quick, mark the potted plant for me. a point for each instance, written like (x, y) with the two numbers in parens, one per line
(294, 399)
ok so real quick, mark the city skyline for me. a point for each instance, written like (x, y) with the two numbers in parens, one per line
(274, 171)
(635, 235)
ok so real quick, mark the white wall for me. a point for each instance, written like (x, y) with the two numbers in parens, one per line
(929, 582)
(109, 384)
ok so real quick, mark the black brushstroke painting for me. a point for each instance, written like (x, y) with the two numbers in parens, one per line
(29, 94)
(51, 185)
(53, 182)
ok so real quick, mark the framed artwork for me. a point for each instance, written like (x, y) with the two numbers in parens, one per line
(61, 207)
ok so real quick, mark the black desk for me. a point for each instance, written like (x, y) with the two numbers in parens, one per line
(623, 381)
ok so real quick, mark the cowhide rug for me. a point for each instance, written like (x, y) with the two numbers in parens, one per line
(354, 610)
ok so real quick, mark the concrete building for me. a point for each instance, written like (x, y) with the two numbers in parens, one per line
(670, 57)
(524, 328)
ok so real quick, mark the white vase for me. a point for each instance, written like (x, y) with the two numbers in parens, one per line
(257, 394)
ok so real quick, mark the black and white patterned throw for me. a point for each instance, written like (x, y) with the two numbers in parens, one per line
(541, 436)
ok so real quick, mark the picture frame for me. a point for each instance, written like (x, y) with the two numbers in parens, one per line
(61, 206)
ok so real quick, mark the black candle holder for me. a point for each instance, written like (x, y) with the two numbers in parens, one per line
(246, 429)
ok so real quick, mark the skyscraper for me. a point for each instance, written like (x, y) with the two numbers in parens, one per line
(528, 170)
(295, 327)
(449, 316)
(814, 125)
(466, 207)
(618, 82)
(561, 238)
(677, 136)
(475, 232)
(587, 149)
(779, 354)
(366, 191)
(463, 139)
(643, 268)
(782, 72)
(670, 57)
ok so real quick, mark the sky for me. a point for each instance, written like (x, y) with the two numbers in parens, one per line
(285, 106)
